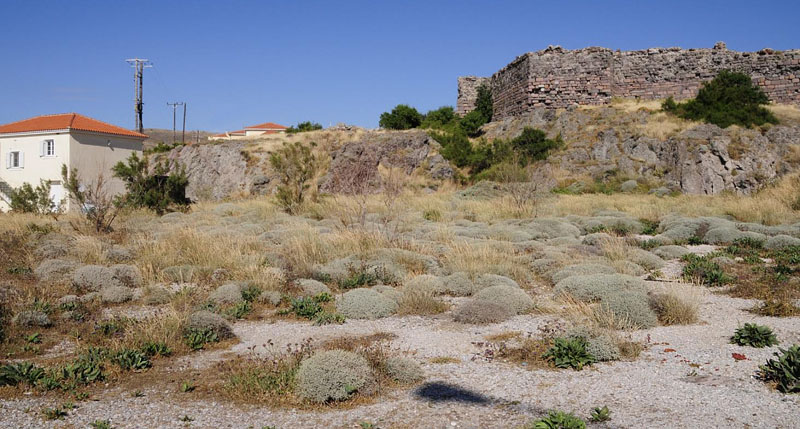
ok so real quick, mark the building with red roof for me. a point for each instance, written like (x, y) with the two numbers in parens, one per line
(33, 151)
(254, 130)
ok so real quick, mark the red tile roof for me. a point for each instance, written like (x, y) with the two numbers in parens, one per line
(267, 126)
(71, 121)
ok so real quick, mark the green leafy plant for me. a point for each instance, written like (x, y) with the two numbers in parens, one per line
(600, 414)
(730, 98)
(240, 309)
(569, 353)
(439, 118)
(296, 166)
(187, 386)
(196, 339)
(402, 117)
(131, 360)
(101, 424)
(785, 370)
(306, 307)
(56, 413)
(151, 348)
(754, 335)
(559, 420)
(325, 318)
(704, 270)
(35, 338)
(20, 372)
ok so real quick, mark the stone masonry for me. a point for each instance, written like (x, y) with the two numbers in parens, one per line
(556, 77)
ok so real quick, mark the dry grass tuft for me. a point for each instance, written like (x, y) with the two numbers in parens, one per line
(677, 304)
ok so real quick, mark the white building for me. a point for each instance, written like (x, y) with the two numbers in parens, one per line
(254, 130)
(35, 149)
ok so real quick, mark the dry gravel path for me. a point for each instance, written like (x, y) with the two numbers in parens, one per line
(686, 378)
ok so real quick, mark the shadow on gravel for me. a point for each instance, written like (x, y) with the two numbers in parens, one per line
(444, 392)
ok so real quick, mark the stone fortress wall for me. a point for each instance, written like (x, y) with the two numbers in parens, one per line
(557, 77)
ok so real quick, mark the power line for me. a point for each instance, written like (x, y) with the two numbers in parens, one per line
(138, 64)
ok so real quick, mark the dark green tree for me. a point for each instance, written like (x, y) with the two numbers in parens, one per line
(157, 189)
(439, 118)
(402, 117)
(483, 102)
(730, 98)
(533, 145)
(304, 127)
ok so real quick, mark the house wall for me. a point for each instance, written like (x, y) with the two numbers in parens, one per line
(95, 154)
(35, 167)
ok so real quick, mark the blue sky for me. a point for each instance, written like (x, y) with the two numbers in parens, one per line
(244, 62)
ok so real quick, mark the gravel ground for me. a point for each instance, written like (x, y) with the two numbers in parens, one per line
(686, 378)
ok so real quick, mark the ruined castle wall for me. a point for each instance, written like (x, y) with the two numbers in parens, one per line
(468, 92)
(558, 78)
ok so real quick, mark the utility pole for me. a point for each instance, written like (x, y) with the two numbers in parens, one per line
(183, 132)
(138, 64)
(174, 108)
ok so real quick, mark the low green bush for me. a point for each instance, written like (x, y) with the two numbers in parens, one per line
(704, 270)
(569, 353)
(730, 98)
(196, 339)
(558, 420)
(303, 127)
(785, 370)
(333, 375)
(754, 335)
(402, 117)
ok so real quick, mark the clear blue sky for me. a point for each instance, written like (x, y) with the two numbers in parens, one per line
(239, 63)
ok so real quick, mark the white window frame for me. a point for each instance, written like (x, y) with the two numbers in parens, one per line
(48, 149)
(20, 160)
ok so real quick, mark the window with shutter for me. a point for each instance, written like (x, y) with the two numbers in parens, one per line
(14, 160)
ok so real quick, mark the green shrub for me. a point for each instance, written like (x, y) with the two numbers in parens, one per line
(296, 166)
(365, 304)
(404, 370)
(704, 270)
(785, 371)
(402, 117)
(631, 310)
(730, 98)
(303, 127)
(159, 188)
(754, 335)
(471, 123)
(306, 307)
(559, 420)
(481, 312)
(27, 199)
(510, 297)
(569, 353)
(162, 147)
(240, 309)
(533, 145)
(333, 375)
(439, 118)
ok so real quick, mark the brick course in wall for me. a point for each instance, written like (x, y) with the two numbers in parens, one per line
(556, 77)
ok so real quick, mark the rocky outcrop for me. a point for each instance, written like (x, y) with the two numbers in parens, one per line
(221, 170)
(355, 166)
(215, 171)
(703, 159)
